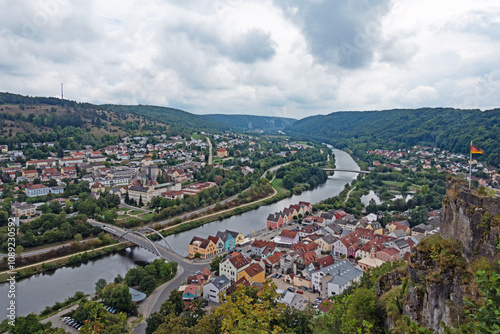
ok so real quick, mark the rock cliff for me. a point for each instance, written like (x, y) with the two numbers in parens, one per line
(440, 275)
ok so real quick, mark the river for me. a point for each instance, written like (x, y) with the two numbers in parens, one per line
(33, 294)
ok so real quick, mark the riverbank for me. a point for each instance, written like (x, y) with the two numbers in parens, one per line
(74, 258)
(52, 264)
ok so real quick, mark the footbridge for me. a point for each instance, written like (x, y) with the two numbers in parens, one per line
(346, 170)
(140, 238)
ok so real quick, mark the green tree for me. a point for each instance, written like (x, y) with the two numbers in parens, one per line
(99, 285)
(214, 265)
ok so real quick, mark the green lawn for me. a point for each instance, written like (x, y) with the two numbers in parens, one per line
(195, 136)
(394, 183)
(278, 185)
(122, 216)
(147, 216)
(124, 209)
(135, 212)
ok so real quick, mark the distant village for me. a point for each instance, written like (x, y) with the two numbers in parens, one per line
(444, 161)
(145, 167)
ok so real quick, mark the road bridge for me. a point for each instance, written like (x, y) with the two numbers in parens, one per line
(346, 170)
(139, 238)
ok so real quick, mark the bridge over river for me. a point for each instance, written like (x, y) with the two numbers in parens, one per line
(346, 170)
(139, 238)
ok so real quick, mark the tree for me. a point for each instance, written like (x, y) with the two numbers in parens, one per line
(214, 265)
(99, 285)
(118, 296)
(153, 322)
(147, 284)
(141, 203)
(250, 308)
(174, 304)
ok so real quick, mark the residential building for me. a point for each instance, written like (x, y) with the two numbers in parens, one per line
(212, 289)
(232, 266)
(227, 239)
(206, 248)
(288, 238)
(219, 244)
(138, 192)
(254, 273)
(334, 279)
(222, 152)
(23, 209)
(36, 190)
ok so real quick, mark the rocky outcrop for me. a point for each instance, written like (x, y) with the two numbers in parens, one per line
(438, 284)
(438, 273)
(471, 219)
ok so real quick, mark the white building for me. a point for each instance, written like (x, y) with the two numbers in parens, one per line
(334, 279)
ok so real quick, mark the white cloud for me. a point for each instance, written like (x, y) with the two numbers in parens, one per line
(286, 58)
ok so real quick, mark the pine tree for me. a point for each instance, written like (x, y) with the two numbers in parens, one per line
(141, 203)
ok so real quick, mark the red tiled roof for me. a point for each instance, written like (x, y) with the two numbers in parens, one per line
(254, 269)
(36, 186)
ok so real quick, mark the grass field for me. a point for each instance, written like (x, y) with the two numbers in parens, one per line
(147, 216)
(278, 185)
(195, 136)
(135, 212)
(124, 209)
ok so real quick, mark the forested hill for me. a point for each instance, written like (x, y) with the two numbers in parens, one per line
(446, 128)
(111, 118)
(251, 122)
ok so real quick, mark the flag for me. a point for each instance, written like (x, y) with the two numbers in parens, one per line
(475, 150)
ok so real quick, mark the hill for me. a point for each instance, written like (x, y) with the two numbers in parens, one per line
(251, 122)
(446, 128)
(27, 114)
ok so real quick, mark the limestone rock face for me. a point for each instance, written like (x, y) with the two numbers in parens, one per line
(470, 219)
(438, 268)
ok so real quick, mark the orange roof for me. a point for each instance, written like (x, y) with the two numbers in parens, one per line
(254, 269)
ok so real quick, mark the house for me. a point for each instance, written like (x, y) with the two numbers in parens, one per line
(173, 194)
(57, 190)
(258, 246)
(308, 230)
(50, 173)
(227, 239)
(238, 237)
(212, 289)
(47, 163)
(274, 221)
(254, 273)
(30, 174)
(68, 172)
(219, 244)
(370, 262)
(205, 247)
(222, 152)
(23, 209)
(97, 187)
(334, 279)
(235, 285)
(190, 292)
(36, 190)
(388, 254)
(288, 238)
(232, 266)
(307, 206)
(70, 161)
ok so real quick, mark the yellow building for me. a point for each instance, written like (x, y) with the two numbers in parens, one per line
(206, 248)
(222, 152)
(253, 273)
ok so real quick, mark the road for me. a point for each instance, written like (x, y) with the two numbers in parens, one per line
(210, 151)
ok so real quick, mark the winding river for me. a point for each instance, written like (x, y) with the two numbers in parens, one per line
(33, 294)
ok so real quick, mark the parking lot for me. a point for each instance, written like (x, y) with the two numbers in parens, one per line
(280, 284)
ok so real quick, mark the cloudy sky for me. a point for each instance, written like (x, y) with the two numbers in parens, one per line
(292, 58)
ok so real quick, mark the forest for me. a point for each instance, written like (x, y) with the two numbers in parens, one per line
(445, 128)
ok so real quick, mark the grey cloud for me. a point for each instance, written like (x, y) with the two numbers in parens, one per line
(247, 47)
(251, 46)
(343, 32)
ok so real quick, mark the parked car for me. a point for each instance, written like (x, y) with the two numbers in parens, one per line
(291, 289)
(300, 292)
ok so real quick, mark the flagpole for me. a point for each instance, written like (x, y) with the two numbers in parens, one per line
(470, 164)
